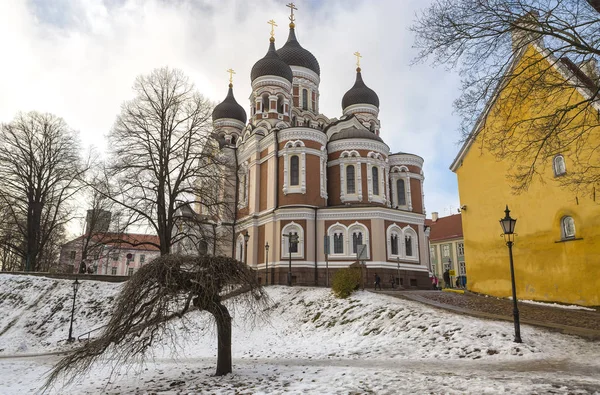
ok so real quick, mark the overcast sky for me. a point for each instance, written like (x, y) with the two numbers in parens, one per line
(78, 59)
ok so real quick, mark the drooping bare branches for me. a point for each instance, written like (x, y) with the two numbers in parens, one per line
(162, 161)
(40, 170)
(169, 288)
(549, 104)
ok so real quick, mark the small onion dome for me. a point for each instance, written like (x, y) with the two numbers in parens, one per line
(293, 54)
(360, 94)
(229, 108)
(271, 64)
(354, 133)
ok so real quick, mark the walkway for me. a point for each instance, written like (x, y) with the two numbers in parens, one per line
(575, 322)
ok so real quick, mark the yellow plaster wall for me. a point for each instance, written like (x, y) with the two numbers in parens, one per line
(546, 268)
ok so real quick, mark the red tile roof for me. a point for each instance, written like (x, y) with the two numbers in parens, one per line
(129, 241)
(445, 228)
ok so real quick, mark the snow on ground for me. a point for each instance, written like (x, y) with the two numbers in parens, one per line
(312, 343)
(560, 306)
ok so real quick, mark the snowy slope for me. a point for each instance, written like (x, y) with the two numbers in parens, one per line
(303, 323)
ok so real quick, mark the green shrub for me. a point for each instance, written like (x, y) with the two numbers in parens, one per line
(345, 281)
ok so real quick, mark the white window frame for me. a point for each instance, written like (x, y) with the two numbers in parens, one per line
(445, 250)
(566, 234)
(401, 172)
(375, 159)
(402, 233)
(354, 228)
(460, 249)
(294, 228)
(347, 232)
(290, 149)
(244, 190)
(408, 231)
(337, 229)
(556, 162)
(239, 251)
(351, 158)
(462, 268)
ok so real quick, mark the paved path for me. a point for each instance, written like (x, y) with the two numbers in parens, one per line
(575, 322)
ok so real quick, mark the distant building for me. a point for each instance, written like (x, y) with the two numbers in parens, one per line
(97, 221)
(110, 253)
(446, 245)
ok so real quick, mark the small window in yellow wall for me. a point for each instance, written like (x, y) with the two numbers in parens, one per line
(559, 165)
(568, 227)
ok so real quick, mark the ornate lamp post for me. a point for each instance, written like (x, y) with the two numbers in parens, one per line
(449, 276)
(508, 229)
(292, 239)
(246, 238)
(75, 288)
(267, 263)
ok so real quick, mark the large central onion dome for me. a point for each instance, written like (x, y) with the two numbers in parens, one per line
(360, 94)
(271, 64)
(293, 54)
(229, 108)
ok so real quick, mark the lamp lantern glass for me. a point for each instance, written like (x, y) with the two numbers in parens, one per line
(267, 246)
(246, 237)
(76, 285)
(508, 224)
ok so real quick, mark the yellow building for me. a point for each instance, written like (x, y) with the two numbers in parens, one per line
(557, 248)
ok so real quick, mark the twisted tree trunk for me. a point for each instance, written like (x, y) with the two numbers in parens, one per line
(223, 320)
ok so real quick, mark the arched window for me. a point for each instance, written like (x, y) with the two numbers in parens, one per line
(409, 245)
(350, 185)
(568, 227)
(304, 99)
(559, 165)
(357, 239)
(265, 102)
(295, 245)
(375, 174)
(294, 170)
(244, 187)
(338, 243)
(394, 242)
(280, 104)
(401, 192)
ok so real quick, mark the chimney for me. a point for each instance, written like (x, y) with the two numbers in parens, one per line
(434, 216)
(522, 38)
(590, 68)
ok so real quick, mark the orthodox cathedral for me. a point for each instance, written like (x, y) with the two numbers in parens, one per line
(315, 194)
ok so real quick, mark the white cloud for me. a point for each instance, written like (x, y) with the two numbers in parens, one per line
(79, 58)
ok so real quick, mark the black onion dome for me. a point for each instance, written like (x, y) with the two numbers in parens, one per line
(293, 54)
(354, 133)
(271, 64)
(229, 108)
(360, 94)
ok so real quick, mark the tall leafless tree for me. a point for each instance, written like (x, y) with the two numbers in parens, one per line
(166, 289)
(40, 171)
(163, 159)
(484, 39)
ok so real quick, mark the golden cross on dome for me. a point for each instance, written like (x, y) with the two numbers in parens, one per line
(292, 7)
(273, 24)
(231, 73)
(358, 56)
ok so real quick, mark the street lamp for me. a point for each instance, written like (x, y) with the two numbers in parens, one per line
(292, 239)
(398, 263)
(75, 288)
(246, 238)
(508, 229)
(267, 263)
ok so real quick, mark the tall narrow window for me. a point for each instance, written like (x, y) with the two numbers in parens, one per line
(350, 187)
(294, 170)
(357, 239)
(408, 244)
(304, 99)
(559, 165)
(568, 228)
(394, 244)
(338, 243)
(265, 103)
(293, 246)
(244, 180)
(401, 192)
(375, 175)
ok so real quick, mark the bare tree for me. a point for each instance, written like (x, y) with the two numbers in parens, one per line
(169, 288)
(164, 159)
(548, 98)
(40, 170)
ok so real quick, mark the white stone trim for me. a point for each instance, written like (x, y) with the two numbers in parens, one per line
(243, 187)
(323, 173)
(271, 81)
(303, 133)
(358, 144)
(347, 232)
(228, 122)
(361, 107)
(406, 159)
(294, 148)
(402, 233)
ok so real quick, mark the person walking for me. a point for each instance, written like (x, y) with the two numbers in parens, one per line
(447, 279)
(377, 281)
